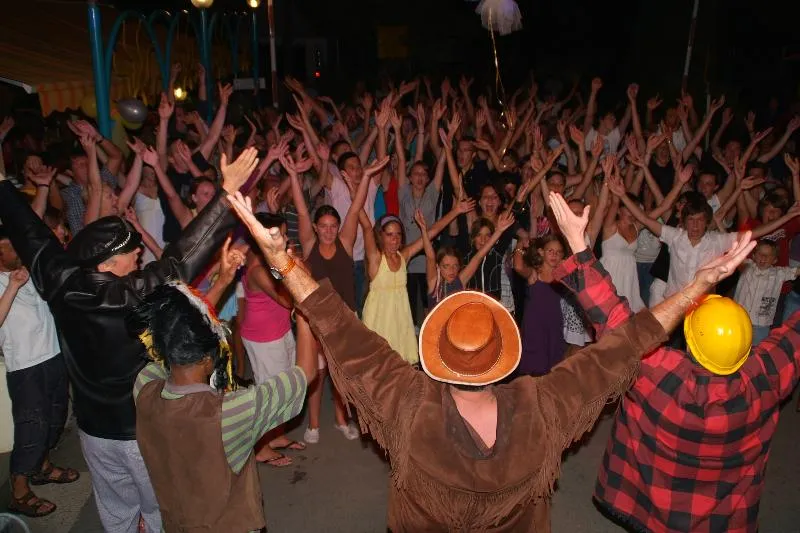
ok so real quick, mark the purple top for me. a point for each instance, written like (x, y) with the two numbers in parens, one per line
(542, 335)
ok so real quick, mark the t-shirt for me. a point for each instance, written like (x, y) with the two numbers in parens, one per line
(28, 335)
(408, 204)
(610, 142)
(758, 291)
(685, 259)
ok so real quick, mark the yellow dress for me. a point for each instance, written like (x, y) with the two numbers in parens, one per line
(388, 313)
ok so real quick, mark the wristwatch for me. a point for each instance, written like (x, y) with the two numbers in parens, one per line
(279, 274)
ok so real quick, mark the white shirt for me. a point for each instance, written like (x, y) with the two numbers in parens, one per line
(610, 142)
(647, 247)
(151, 217)
(28, 335)
(758, 291)
(338, 196)
(685, 259)
(678, 140)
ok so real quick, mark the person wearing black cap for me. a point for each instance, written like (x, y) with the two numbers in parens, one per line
(91, 288)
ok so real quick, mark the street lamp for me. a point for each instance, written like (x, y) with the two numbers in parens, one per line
(202, 4)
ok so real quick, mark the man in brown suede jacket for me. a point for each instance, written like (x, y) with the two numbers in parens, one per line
(467, 455)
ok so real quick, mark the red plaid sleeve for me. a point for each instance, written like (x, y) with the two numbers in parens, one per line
(778, 357)
(584, 275)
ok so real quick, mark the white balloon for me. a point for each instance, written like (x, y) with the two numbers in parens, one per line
(502, 16)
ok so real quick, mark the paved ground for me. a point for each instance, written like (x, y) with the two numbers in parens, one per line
(340, 486)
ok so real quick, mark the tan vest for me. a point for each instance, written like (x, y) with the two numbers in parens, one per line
(181, 443)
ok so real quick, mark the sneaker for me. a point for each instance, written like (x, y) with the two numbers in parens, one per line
(350, 431)
(311, 436)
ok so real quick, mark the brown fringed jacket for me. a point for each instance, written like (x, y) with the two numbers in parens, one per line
(443, 477)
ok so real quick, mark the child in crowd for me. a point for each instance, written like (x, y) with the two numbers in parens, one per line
(759, 287)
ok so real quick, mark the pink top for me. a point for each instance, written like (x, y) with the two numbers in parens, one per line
(265, 320)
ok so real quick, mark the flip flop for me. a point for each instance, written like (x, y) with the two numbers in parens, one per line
(281, 461)
(293, 445)
(66, 476)
(29, 505)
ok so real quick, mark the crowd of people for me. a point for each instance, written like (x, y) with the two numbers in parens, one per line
(482, 277)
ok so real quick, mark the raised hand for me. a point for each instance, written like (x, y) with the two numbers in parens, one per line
(608, 164)
(751, 182)
(230, 260)
(480, 119)
(324, 152)
(419, 218)
(375, 167)
(654, 141)
(165, 107)
(150, 157)
(598, 146)
(577, 136)
(229, 134)
(270, 241)
(395, 121)
(572, 226)
(43, 176)
(717, 104)
(723, 266)
(465, 206)
(685, 174)
(615, 185)
(272, 200)
(759, 136)
(654, 102)
(235, 175)
(633, 92)
(225, 92)
(750, 121)
(597, 84)
(793, 124)
(504, 221)
(792, 163)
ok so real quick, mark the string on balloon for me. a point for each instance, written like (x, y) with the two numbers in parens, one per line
(499, 88)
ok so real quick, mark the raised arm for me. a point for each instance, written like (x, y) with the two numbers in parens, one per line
(349, 229)
(591, 106)
(700, 134)
(95, 187)
(215, 130)
(791, 127)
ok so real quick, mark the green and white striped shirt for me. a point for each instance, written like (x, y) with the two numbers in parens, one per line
(246, 413)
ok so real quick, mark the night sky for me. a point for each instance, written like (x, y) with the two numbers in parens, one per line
(740, 44)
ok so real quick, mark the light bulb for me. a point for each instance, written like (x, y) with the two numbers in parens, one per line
(180, 94)
(202, 4)
(253, 3)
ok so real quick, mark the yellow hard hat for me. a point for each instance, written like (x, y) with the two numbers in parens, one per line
(719, 334)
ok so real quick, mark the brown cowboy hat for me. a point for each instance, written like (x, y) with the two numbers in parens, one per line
(469, 339)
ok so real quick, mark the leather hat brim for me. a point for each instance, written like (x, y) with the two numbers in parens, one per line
(434, 327)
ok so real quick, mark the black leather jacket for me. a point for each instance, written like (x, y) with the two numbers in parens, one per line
(90, 307)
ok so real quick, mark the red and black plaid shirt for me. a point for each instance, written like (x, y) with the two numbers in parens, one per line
(688, 450)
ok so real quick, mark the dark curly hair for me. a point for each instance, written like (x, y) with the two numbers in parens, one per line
(181, 333)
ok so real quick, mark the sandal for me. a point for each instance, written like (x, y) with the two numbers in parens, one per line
(29, 505)
(279, 461)
(67, 475)
(292, 445)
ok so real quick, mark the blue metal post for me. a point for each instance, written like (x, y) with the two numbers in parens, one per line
(100, 82)
(255, 57)
(205, 58)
